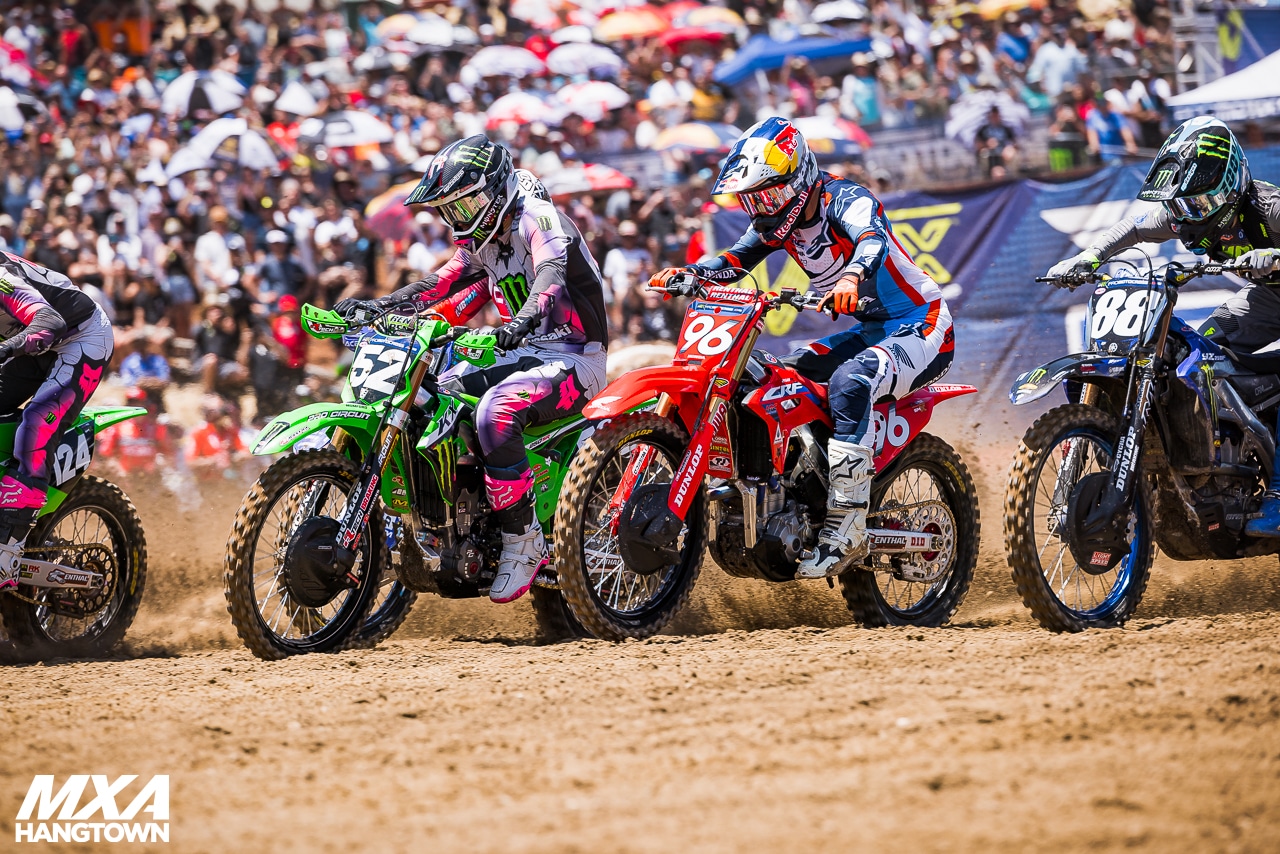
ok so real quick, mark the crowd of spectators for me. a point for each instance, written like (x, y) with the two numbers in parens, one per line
(203, 270)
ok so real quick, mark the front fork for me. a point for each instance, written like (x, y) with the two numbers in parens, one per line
(355, 515)
(1124, 465)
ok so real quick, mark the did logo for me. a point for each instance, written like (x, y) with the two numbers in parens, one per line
(94, 808)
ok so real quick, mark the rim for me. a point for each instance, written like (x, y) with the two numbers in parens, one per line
(85, 525)
(913, 485)
(1075, 455)
(387, 595)
(616, 588)
(290, 621)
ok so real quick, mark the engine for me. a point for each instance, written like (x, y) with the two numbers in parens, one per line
(783, 532)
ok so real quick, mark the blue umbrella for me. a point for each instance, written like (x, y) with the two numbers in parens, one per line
(762, 53)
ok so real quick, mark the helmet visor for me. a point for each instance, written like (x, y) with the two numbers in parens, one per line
(1196, 208)
(768, 201)
(461, 212)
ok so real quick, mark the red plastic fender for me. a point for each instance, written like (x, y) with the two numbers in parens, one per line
(685, 385)
(897, 422)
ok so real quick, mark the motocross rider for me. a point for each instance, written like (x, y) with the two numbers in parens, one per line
(837, 232)
(1210, 203)
(517, 250)
(57, 341)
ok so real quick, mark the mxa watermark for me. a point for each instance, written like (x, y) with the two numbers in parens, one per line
(73, 822)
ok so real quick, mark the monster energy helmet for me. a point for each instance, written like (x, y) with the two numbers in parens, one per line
(472, 184)
(1199, 171)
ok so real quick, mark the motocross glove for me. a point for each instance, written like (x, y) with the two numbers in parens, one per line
(1258, 263)
(664, 279)
(347, 308)
(511, 334)
(843, 298)
(1064, 271)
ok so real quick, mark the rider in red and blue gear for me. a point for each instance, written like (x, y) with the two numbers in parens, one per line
(836, 231)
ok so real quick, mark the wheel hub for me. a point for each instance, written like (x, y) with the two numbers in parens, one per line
(311, 572)
(648, 532)
(1096, 538)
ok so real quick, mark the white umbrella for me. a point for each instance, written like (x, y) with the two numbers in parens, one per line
(153, 174)
(15, 109)
(298, 100)
(224, 141)
(432, 31)
(593, 99)
(505, 61)
(575, 33)
(840, 10)
(522, 108)
(344, 129)
(575, 58)
(216, 91)
(969, 114)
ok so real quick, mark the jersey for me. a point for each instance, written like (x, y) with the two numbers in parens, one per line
(848, 234)
(539, 269)
(1254, 225)
(37, 305)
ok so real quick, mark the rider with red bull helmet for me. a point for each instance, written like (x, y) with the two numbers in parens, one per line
(517, 250)
(837, 232)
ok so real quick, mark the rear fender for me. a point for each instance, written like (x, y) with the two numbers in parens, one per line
(1035, 384)
(897, 422)
(685, 385)
(104, 416)
(359, 420)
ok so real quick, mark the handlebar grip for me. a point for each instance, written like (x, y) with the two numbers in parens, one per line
(1046, 279)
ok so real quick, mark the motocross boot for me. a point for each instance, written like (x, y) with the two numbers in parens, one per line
(843, 539)
(21, 499)
(1268, 524)
(524, 552)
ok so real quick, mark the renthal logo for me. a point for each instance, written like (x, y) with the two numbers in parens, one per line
(784, 391)
(691, 469)
(723, 294)
(75, 824)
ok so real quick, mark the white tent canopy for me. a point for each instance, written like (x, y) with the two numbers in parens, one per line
(1250, 93)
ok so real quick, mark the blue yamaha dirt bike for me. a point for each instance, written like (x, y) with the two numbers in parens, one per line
(313, 565)
(82, 572)
(1165, 441)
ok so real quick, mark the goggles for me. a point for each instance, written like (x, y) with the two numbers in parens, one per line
(461, 212)
(1196, 208)
(768, 201)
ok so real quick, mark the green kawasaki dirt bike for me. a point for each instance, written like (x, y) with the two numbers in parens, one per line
(383, 497)
(82, 571)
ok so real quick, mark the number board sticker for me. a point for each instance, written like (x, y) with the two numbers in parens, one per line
(378, 366)
(710, 329)
(1120, 314)
(74, 453)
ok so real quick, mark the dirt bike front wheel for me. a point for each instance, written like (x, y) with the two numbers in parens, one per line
(80, 624)
(268, 617)
(933, 487)
(614, 601)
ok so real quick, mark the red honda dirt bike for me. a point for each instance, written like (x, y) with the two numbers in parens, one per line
(726, 449)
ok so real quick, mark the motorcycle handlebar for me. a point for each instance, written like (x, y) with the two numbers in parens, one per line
(1174, 273)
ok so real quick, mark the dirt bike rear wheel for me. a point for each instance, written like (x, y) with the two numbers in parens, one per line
(97, 512)
(928, 470)
(594, 584)
(253, 582)
(1064, 597)
(555, 619)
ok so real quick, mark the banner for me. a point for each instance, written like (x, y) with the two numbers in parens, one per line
(985, 248)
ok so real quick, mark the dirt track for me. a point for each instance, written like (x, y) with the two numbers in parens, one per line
(803, 734)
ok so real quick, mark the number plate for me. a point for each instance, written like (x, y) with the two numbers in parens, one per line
(711, 328)
(378, 366)
(73, 454)
(1123, 315)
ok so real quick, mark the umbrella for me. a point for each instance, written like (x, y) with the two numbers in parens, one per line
(712, 18)
(15, 66)
(577, 33)
(345, 129)
(840, 10)
(677, 10)
(638, 23)
(297, 99)
(225, 141)
(969, 114)
(432, 31)
(15, 109)
(505, 61)
(387, 216)
(573, 58)
(381, 58)
(993, 9)
(215, 91)
(539, 14)
(697, 136)
(522, 108)
(593, 99)
(673, 39)
(591, 178)
(762, 53)
(831, 128)
(395, 26)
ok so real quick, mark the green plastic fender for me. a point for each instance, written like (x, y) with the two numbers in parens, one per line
(104, 416)
(284, 431)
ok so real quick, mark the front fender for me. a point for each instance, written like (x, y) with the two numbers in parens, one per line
(686, 386)
(1035, 384)
(284, 431)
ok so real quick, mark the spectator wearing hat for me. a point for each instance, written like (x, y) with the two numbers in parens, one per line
(280, 273)
(860, 93)
(9, 239)
(211, 255)
(996, 145)
(622, 269)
